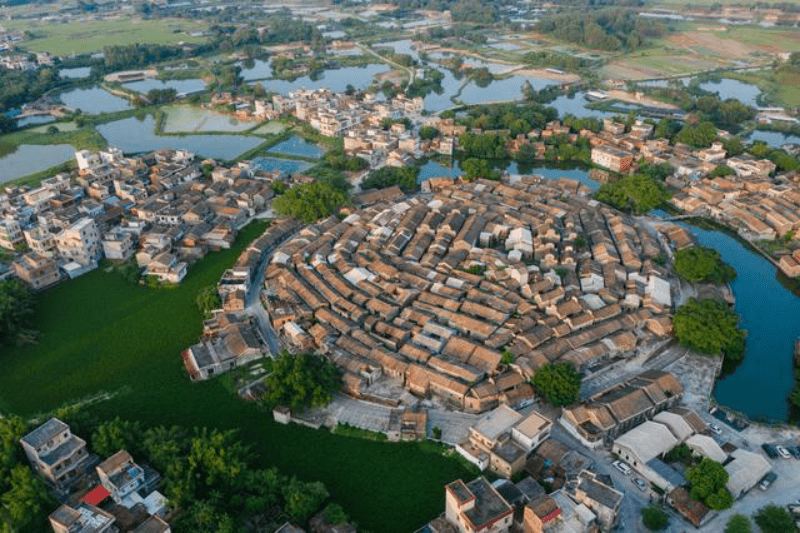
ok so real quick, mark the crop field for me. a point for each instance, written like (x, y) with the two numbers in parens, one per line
(92, 36)
(100, 333)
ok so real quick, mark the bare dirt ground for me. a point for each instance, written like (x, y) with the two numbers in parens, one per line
(548, 75)
(626, 96)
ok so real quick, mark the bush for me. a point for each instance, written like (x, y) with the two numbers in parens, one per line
(654, 518)
(709, 327)
(699, 263)
(708, 481)
(208, 300)
(738, 523)
(384, 177)
(558, 383)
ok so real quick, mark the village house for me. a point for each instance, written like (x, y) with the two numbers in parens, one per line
(56, 454)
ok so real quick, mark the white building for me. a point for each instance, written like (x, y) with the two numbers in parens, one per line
(80, 243)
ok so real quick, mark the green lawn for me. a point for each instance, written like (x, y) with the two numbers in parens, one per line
(92, 36)
(99, 333)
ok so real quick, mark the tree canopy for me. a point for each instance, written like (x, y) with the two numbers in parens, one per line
(475, 168)
(558, 383)
(16, 311)
(208, 300)
(738, 523)
(699, 136)
(708, 481)
(637, 194)
(300, 381)
(384, 177)
(774, 519)
(709, 327)
(654, 518)
(310, 202)
(698, 263)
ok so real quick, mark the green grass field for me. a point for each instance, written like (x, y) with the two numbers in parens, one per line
(92, 36)
(99, 333)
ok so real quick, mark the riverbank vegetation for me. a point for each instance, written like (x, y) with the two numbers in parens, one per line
(16, 313)
(699, 263)
(709, 327)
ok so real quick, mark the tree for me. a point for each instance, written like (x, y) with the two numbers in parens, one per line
(637, 194)
(708, 481)
(52, 130)
(384, 177)
(774, 519)
(208, 300)
(334, 514)
(733, 146)
(437, 432)
(310, 202)
(721, 171)
(427, 133)
(475, 168)
(26, 502)
(300, 381)
(698, 263)
(558, 383)
(16, 311)
(115, 435)
(654, 518)
(709, 327)
(738, 523)
(700, 136)
(303, 499)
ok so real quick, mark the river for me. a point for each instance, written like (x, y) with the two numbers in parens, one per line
(760, 384)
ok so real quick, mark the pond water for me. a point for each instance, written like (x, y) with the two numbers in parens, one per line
(284, 165)
(439, 102)
(491, 66)
(336, 34)
(133, 136)
(403, 46)
(261, 70)
(505, 46)
(433, 169)
(75, 73)
(94, 100)
(34, 119)
(759, 385)
(186, 118)
(498, 90)
(576, 105)
(726, 88)
(773, 138)
(182, 86)
(297, 146)
(336, 80)
(29, 159)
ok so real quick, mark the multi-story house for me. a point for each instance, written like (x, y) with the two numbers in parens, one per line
(10, 234)
(120, 475)
(36, 270)
(80, 242)
(84, 518)
(55, 453)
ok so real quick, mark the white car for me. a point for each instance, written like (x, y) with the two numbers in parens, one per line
(715, 428)
(622, 467)
(783, 452)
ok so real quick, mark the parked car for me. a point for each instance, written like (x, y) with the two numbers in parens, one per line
(770, 450)
(767, 480)
(715, 428)
(622, 467)
(783, 452)
(795, 451)
(640, 483)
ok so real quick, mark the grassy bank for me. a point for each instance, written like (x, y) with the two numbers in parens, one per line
(99, 333)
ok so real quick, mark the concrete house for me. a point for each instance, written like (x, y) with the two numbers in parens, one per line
(55, 453)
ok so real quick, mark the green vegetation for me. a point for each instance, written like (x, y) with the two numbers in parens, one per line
(558, 383)
(698, 263)
(679, 454)
(654, 518)
(101, 333)
(310, 202)
(699, 136)
(774, 519)
(208, 300)
(603, 29)
(637, 194)
(403, 177)
(338, 160)
(474, 168)
(16, 313)
(738, 523)
(347, 430)
(24, 499)
(483, 145)
(427, 133)
(721, 171)
(708, 481)
(334, 514)
(709, 327)
(301, 381)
